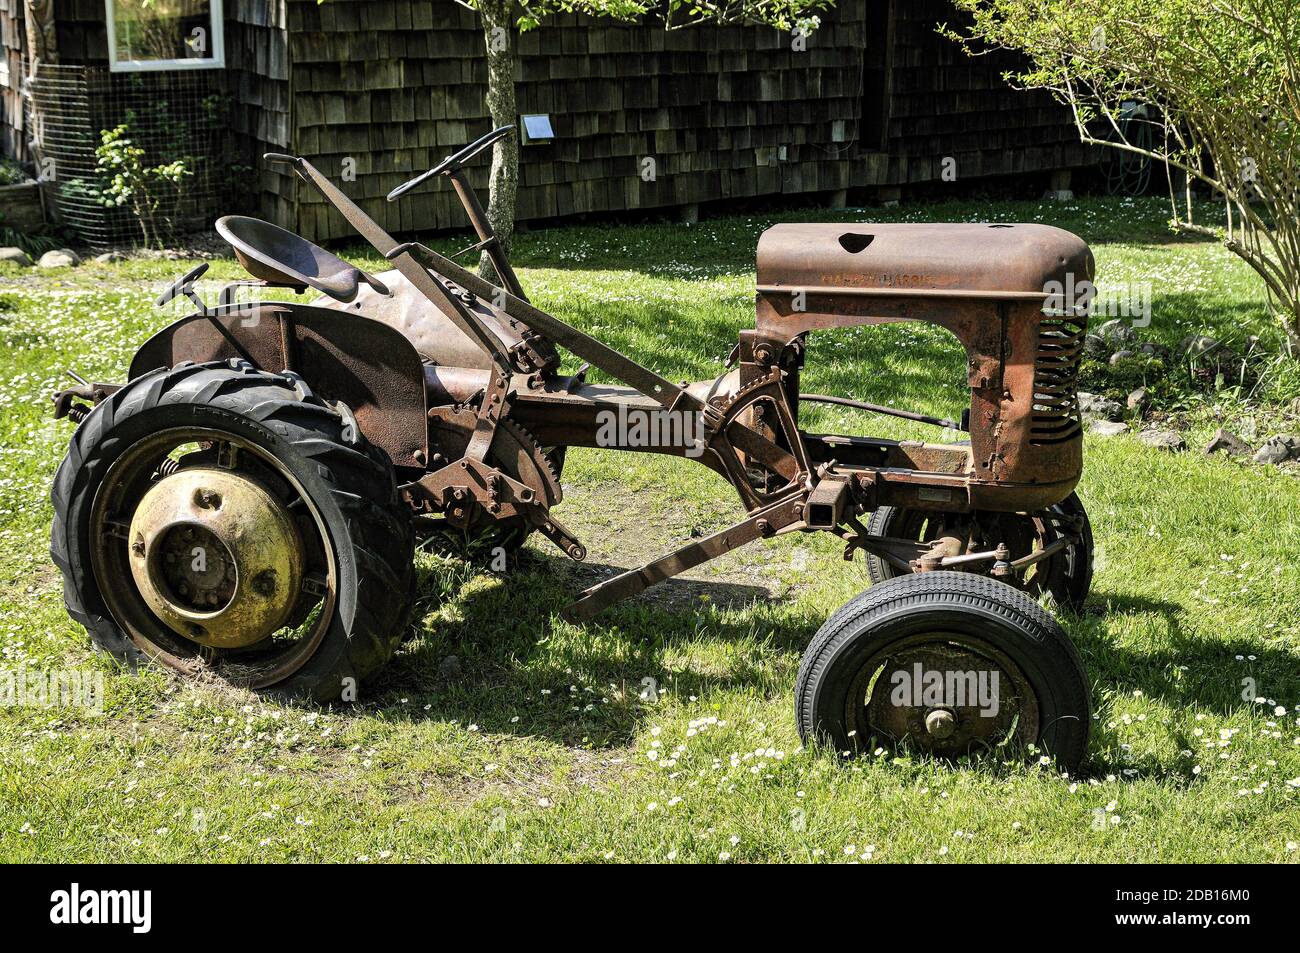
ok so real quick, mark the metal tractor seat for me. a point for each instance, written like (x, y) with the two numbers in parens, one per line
(279, 257)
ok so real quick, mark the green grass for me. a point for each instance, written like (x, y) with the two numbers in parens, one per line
(541, 747)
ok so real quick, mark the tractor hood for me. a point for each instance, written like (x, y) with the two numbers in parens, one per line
(996, 258)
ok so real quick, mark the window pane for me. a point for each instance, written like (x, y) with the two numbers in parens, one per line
(162, 29)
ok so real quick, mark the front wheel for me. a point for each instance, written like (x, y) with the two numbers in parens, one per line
(951, 663)
(216, 518)
(1065, 574)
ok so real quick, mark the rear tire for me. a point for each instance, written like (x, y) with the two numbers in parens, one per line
(346, 485)
(1043, 698)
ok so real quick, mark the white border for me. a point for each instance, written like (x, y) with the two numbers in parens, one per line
(216, 61)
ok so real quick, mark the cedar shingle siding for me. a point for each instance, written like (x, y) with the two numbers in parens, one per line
(876, 99)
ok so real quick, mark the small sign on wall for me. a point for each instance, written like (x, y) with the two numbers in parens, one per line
(537, 129)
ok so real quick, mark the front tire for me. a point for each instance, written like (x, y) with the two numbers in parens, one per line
(1066, 575)
(1006, 672)
(345, 592)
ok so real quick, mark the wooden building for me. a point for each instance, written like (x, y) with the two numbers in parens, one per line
(877, 100)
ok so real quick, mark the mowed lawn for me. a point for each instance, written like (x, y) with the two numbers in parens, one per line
(664, 730)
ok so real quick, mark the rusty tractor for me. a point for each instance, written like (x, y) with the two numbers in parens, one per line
(247, 502)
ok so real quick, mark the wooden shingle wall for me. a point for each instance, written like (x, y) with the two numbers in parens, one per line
(386, 88)
(948, 104)
(80, 32)
(12, 42)
(257, 64)
(395, 85)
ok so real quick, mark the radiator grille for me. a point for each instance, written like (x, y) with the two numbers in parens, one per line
(1056, 416)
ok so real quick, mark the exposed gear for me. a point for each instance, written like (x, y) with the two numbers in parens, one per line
(475, 529)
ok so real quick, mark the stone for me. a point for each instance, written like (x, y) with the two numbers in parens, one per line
(1153, 349)
(1107, 428)
(15, 255)
(1138, 399)
(1225, 441)
(1163, 440)
(1093, 406)
(1115, 331)
(449, 668)
(1278, 449)
(59, 258)
(1120, 355)
(109, 257)
(1094, 346)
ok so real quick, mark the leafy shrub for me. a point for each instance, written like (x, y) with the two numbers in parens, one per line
(151, 191)
(11, 173)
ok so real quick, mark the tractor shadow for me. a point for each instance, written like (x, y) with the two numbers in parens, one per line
(487, 650)
(1219, 674)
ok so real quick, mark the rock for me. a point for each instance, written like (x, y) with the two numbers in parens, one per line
(1153, 349)
(59, 258)
(1115, 331)
(449, 668)
(1094, 407)
(1277, 449)
(1094, 346)
(110, 256)
(1107, 428)
(1120, 356)
(1225, 441)
(1138, 400)
(1163, 440)
(15, 255)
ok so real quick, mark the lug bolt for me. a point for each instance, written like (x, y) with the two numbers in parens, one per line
(264, 583)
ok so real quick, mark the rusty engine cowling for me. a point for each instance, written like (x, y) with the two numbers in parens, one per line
(1007, 292)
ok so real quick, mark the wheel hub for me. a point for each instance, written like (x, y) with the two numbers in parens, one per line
(216, 557)
(950, 698)
(940, 723)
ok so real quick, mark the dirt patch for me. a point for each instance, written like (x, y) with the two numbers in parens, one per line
(624, 530)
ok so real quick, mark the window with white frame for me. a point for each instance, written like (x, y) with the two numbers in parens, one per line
(164, 34)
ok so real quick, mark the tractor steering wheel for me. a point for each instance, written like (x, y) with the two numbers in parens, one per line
(453, 162)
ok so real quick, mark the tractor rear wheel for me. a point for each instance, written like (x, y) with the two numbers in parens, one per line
(1066, 575)
(213, 517)
(951, 663)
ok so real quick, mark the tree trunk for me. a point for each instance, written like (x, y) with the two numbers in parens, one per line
(38, 22)
(499, 36)
(38, 17)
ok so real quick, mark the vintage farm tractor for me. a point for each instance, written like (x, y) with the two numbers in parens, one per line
(247, 502)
